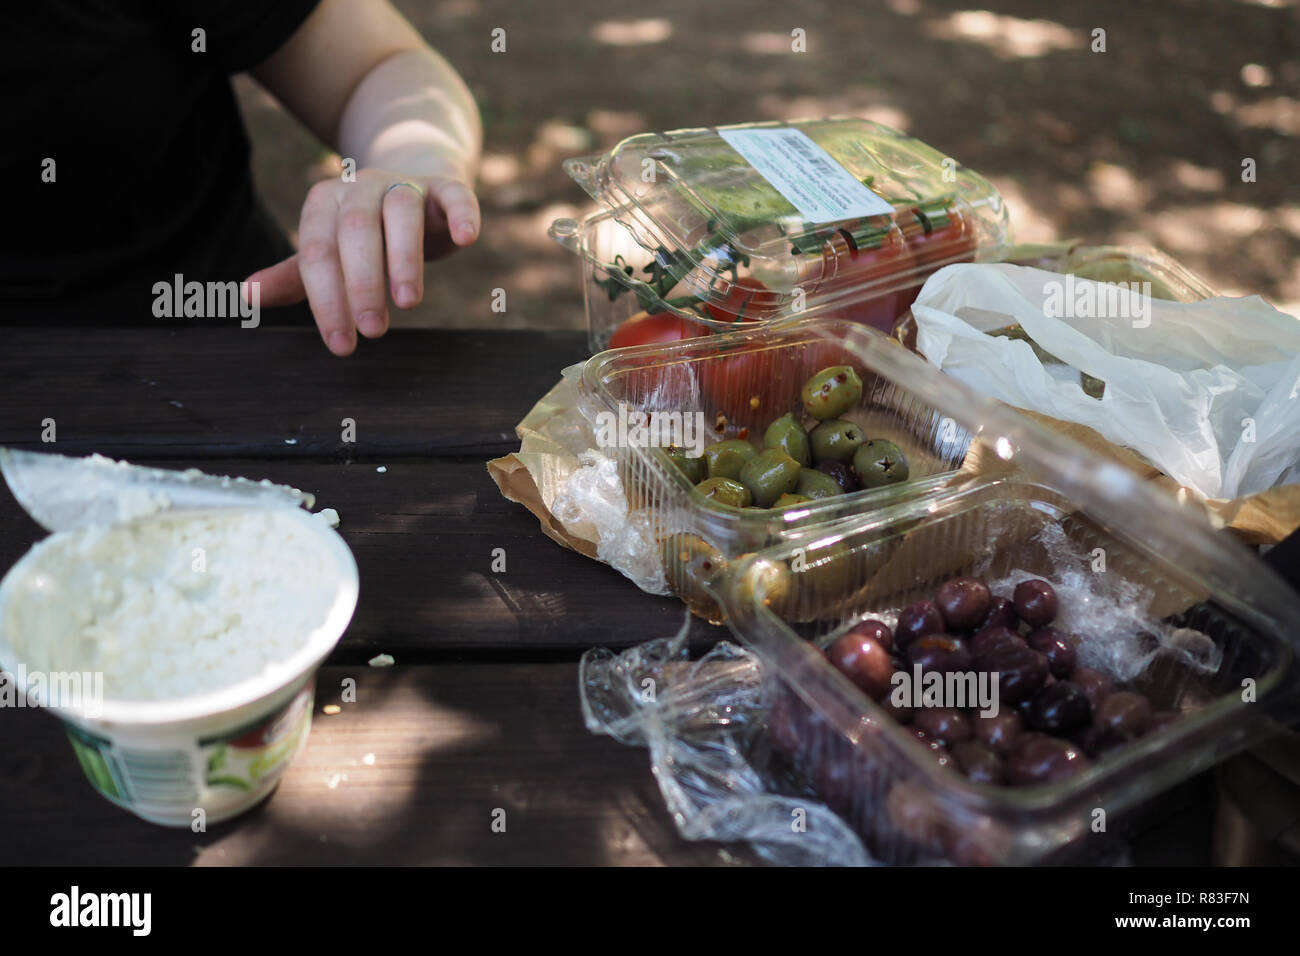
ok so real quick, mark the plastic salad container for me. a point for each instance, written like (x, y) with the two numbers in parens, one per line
(1159, 602)
(1169, 279)
(761, 221)
(743, 380)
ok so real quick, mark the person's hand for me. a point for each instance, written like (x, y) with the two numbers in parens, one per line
(351, 233)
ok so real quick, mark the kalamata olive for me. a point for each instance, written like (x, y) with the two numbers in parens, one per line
(916, 621)
(1094, 684)
(998, 731)
(978, 761)
(1060, 709)
(948, 725)
(1021, 671)
(782, 728)
(1035, 602)
(965, 603)
(903, 713)
(933, 747)
(1002, 613)
(990, 637)
(1163, 718)
(940, 652)
(865, 662)
(1037, 758)
(1057, 647)
(914, 811)
(844, 475)
(1123, 715)
(876, 630)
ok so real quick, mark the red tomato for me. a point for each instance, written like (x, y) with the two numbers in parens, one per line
(886, 263)
(749, 386)
(945, 237)
(746, 301)
(644, 329)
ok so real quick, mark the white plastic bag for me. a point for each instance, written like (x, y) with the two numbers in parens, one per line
(1208, 392)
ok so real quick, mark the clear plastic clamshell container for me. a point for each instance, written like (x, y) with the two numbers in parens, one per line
(1169, 279)
(1158, 602)
(762, 221)
(738, 383)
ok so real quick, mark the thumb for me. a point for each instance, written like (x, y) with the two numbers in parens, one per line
(280, 284)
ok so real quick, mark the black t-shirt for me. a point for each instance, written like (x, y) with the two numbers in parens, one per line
(142, 138)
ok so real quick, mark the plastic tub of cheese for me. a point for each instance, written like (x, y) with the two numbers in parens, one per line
(180, 650)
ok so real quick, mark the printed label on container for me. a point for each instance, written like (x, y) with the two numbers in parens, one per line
(805, 174)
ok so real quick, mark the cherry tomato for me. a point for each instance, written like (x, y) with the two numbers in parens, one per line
(747, 300)
(939, 236)
(888, 262)
(644, 329)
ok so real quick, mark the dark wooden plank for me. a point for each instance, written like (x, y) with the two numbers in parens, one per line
(220, 393)
(423, 534)
(451, 744)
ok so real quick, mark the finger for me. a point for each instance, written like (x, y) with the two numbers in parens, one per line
(322, 276)
(361, 253)
(460, 209)
(280, 284)
(404, 244)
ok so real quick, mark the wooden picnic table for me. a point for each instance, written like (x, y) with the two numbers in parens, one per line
(481, 708)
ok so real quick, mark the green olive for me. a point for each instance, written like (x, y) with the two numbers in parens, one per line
(725, 491)
(832, 392)
(787, 433)
(880, 462)
(769, 475)
(835, 440)
(817, 484)
(693, 567)
(788, 500)
(692, 468)
(724, 459)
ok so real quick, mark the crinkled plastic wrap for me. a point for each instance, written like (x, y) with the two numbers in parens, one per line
(702, 722)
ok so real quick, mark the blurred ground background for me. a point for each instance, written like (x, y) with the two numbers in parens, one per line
(1143, 143)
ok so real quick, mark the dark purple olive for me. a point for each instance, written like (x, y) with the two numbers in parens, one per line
(917, 621)
(933, 747)
(878, 631)
(978, 761)
(842, 473)
(864, 661)
(990, 637)
(1060, 709)
(1021, 671)
(965, 603)
(1123, 715)
(998, 731)
(914, 812)
(1037, 758)
(1035, 602)
(1163, 718)
(1057, 647)
(948, 725)
(940, 652)
(902, 713)
(1002, 613)
(1094, 684)
(782, 726)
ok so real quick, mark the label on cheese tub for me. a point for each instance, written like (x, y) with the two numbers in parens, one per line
(808, 177)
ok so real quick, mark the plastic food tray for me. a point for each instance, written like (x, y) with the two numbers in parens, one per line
(690, 224)
(728, 374)
(1231, 618)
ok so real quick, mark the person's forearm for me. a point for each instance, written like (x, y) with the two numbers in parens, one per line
(412, 114)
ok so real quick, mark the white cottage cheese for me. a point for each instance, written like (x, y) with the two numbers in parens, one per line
(172, 606)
